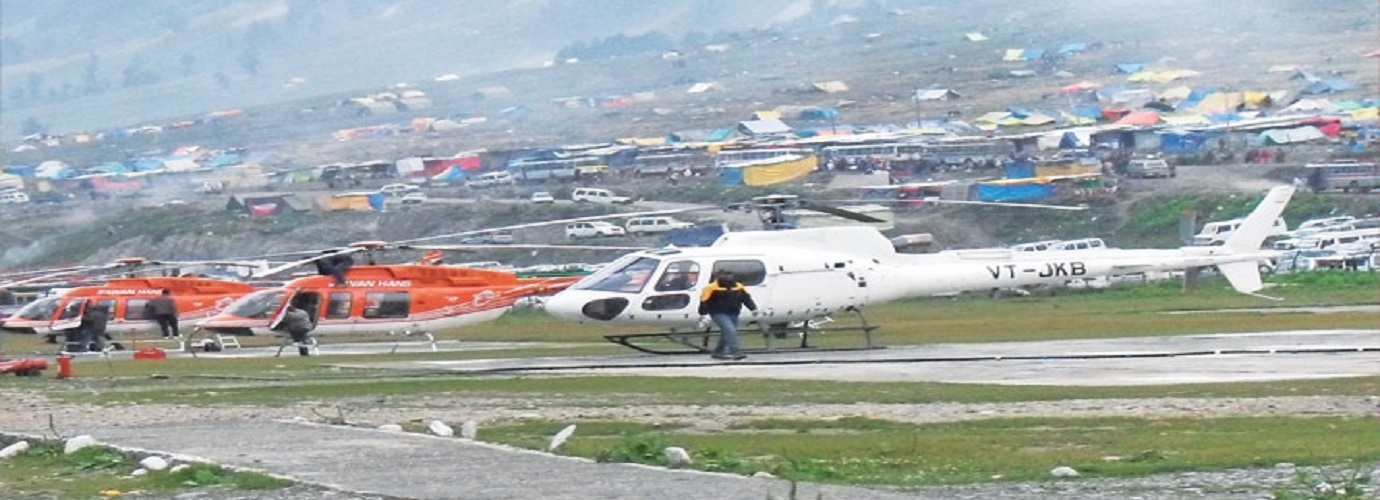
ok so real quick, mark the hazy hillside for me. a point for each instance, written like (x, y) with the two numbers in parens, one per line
(74, 64)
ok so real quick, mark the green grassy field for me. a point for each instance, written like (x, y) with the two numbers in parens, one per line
(879, 452)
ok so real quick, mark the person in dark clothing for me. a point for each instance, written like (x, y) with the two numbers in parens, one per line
(723, 300)
(163, 309)
(334, 266)
(297, 324)
(92, 334)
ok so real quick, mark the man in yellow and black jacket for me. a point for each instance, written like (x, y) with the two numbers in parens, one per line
(723, 301)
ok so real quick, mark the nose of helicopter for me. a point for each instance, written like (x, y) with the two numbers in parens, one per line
(581, 306)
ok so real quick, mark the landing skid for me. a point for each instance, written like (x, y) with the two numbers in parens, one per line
(775, 339)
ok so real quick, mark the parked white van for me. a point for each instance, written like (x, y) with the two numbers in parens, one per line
(491, 179)
(14, 197)
(595, 195)
(1216, 233)
(638, 226)
(592, 229)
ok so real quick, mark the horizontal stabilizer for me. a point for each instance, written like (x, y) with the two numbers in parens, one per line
(1243, 276)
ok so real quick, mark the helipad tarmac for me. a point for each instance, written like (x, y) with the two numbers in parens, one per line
(1283, 355)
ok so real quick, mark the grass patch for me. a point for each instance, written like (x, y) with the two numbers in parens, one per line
(622, 391)
(871, 452)
(44, 471)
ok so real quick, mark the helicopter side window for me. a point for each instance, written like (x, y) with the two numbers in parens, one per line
(134, 309)
(679, 276)
(629, 278)
(387, 305)
(338, 306)
(107, 304)
(72, 309)
(747, 272)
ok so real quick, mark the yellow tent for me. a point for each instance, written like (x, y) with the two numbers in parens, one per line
(1366, 114)
(766, 115)
(1013, 55)
(777, 171)
(1184, 119)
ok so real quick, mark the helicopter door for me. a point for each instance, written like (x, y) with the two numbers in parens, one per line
(673, 294)
(69, 315)
(752, 274)
(291, 298)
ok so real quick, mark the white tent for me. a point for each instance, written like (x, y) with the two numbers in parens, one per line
(1291, 135)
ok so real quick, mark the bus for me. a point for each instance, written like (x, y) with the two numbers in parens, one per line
(1344, 175)
(563, 169)
(665, 164)
(732, 156)
(955, 152)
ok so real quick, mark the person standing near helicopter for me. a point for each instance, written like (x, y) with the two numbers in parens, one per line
(723, 301)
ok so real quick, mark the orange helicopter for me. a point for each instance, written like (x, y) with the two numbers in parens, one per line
(399, 298)
(125, 299)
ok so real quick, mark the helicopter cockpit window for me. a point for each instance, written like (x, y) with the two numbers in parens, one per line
(41, 309)
(681, 275)
(629, 278)
(72, 309)
(257, 305)
(747, 272)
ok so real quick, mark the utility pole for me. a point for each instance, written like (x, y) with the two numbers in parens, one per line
(915, 97)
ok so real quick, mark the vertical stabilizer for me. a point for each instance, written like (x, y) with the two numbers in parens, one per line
(1256, 227)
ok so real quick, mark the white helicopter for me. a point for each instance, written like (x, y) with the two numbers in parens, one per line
(802, 276)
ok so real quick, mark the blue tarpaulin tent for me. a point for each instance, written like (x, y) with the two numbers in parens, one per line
(1020, 170)
(1070, 48)
(1032, 54)
(1087, 111)
(1184, 142)
(376, 201)
(819, 114)
(223, 160)
(1012, 192)
(731, 176)
(1129, 68)
(1327, 86)
(720, 134)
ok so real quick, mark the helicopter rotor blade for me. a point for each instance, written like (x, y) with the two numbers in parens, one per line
(473, 248)
(314, 258)
(839, 212)
(938, 201)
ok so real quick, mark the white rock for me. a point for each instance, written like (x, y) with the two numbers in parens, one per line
(1063, 471)
(1284, 465)
(154, 463)
(560, 437)
(77, 443)
(761, 474)
(391, 427)
(676, 457)
(179, 468)
(440, 428)
(139, 472)
(469, 430)
(15, 449)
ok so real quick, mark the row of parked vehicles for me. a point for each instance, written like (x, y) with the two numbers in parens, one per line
(637, 226)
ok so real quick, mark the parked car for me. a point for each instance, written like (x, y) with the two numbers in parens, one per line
(595, 195)
(490, 238)
(543, 198)
(14, 197)
(398, 189)
(1149, 167)
(639, 226)
(413, 198)
(593, 229)
(491, 179)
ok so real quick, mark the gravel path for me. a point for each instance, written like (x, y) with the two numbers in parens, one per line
(29, 412)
